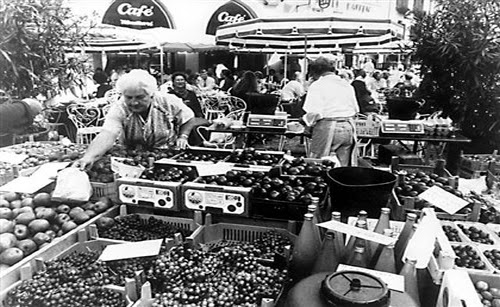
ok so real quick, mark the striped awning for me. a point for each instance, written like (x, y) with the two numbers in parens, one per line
(293, 35)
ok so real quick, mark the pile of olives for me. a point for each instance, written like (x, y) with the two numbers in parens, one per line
(468, 257)
(451, 233)
(476, 234)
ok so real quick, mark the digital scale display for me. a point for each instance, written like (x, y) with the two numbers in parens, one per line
(266, 121)
(403, 127)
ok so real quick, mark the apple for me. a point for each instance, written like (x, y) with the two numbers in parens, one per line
(47, 214)
(40, 238)
(7, 240)
(6, 213)
(68, 226)
(6, 225)
(62, 218)
(63, 208)
(21, 231)
(27, 202)
(28, 246)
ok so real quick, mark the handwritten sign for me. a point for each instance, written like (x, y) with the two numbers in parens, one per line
(441, 199)
(393, 281)
(131, 250)
(358, 232)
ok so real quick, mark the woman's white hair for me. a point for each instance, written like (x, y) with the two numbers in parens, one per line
(137, 78)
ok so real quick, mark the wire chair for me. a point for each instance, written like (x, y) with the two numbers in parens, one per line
(88, 120)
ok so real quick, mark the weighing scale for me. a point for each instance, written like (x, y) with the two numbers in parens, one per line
(267, 121)
(396, 126)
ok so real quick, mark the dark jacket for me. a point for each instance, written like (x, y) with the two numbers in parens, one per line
(15, 116)
(190, 99)
(363, 96)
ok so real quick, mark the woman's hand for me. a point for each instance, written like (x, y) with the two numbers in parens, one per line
(182, 141)
(83, 163)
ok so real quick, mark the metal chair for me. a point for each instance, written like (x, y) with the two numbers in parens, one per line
(55, 120)
(88, 120)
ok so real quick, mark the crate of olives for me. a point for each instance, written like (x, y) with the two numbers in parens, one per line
(305, 167)
(452, 232)
(251, 157)
(478, 162)
(157, 187)
(227, 193)
(203, 155)
(470, 257)
(131, 224)
(478, 233)
(492, 253)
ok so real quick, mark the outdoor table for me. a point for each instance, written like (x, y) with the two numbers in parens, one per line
(261, 131)
(453, 143)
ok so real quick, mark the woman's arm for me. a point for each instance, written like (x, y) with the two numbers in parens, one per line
(99, 146)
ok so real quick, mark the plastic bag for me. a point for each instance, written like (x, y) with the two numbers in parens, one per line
(72, 185)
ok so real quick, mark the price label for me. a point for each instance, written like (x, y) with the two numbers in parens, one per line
(393, 281)
(131, 250)
(358, 232)
(441, 199)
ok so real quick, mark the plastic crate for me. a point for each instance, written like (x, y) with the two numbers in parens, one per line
(493, 236)
(218, 154)
(278, 170)
(192, 225)
(105, 189)
(148, 193)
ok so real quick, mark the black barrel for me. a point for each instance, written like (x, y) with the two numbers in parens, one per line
(359, 188)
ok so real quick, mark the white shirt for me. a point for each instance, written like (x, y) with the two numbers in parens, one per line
(330, 96)
(292, 90)
(206, 85)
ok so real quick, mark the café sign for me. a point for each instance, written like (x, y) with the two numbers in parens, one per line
(231, 12)
(138, 14)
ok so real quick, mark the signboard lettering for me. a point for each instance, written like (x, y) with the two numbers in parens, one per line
(231, 12)
(128, 9)
(138, 14)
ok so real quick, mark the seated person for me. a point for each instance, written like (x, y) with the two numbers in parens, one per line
(179, 89)
(294, 89)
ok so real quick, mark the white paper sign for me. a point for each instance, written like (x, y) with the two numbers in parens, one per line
(12, 158)
(421, 244)
(357, 232)
(441, 199)
(131, 250)
(49, 170)
(393, 281)
(28, 185)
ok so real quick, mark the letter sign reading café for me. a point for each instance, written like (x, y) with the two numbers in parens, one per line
(138, 14)
(231, 12)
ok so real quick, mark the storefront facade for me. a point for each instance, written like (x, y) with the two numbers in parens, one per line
(204, 17)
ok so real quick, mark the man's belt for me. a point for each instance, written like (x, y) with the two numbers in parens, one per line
(338, 119)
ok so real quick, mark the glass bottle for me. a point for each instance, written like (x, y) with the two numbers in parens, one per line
(339, 237)
(358, 257)
(409, 271)
(305, 251)
(386, 261)
(313, 209)
(403, 239)
(382, 224)
(327, 259)
(356, 242)
(363, 216)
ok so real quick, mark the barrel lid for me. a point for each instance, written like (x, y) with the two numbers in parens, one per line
(353, 289)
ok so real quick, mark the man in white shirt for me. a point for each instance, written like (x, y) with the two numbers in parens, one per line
(205, 82)
(293, 89)
(330, 106)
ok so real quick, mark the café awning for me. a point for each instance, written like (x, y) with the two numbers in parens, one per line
(318, 35)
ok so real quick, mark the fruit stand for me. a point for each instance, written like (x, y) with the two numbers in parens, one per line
(226, 217)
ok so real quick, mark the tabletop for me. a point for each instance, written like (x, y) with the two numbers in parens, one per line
(456, 138)
(267, 131)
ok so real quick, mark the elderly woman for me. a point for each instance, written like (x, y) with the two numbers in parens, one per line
(142, 116)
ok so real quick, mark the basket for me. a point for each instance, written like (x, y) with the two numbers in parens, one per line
(477, 162)
(367, 125)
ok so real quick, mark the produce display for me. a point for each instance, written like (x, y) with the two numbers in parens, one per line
(76, 280)
(467, 257)
(43, 152)
(101, 169)
(29, 223)
(451, 233)
(299, 166)
(265, 247)
(134, 228)
(230, 276)
(291, 189)
(489, 296)
(493, 256)
(177, 173)
(476, 234)
(417, 182)
(201, 156)
(252, 157)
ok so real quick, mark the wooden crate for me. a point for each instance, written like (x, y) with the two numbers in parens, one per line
(12, 274)
(478, 162)
(457, 290)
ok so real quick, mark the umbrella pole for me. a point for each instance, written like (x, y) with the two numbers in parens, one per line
(305, 59)
(267, 64)
(161, 65)
(286, 65)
